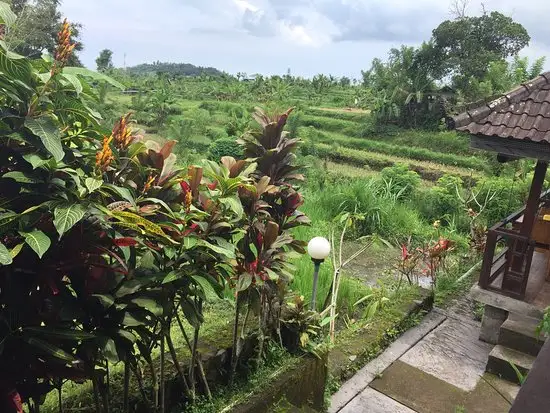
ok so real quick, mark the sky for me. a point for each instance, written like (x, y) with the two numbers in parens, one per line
(338, 37)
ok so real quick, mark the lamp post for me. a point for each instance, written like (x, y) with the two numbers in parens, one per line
(318, 249)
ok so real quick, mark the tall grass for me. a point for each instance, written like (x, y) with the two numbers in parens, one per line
(383, 213)
(351, 289)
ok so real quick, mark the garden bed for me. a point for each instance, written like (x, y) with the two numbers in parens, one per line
(297, 380)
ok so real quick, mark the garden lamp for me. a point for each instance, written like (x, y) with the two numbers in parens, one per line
(318, 249)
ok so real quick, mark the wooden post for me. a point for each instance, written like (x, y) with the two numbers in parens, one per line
(488, 258)
(533, 201)
(520, 250)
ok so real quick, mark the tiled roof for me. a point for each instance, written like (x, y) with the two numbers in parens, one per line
(523, 113)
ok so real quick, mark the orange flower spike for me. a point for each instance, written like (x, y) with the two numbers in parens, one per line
(105, 156)
(64, 47)
(149, 183)
(188, 201)
(122, 133)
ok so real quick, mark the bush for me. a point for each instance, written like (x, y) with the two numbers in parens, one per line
(439, 203)
(201, 118)
(383, 213)
(294, 123)
(450, 183)
(215, 134)
(181, 130)
(225, 147)
(510, 196)
(309, 136)
(401, 179)
(237, 125)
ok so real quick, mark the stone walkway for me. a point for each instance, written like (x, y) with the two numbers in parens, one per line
(438, 366)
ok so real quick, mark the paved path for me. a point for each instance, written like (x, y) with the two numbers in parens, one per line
(437, 366)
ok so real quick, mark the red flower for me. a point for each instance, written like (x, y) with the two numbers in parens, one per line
(444, 244)
(125, 242)
(213, 185)
(185, 187)
(53, 286)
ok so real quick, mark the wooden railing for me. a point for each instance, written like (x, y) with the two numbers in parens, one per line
(508, 256)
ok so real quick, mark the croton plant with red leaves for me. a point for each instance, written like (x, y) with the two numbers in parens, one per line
(271, 211)
(103, 237)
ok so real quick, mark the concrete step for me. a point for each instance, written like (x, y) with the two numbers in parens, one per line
(518, 333)
(501, 359)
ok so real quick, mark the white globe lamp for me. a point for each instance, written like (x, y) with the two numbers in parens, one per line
(318, 249)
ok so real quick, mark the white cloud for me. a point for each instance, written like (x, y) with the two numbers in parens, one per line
(268, 36)
(244, 5)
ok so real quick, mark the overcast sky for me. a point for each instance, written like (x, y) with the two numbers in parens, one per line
(338, 37)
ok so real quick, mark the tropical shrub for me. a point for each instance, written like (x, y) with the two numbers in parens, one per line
(215, 134)
(225, 147)
(441, 202)
(510, 195)
(401, 180)
(104, 241)
(271, 211)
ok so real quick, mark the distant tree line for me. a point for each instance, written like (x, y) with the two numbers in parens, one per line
(173, 69)
(467, 58)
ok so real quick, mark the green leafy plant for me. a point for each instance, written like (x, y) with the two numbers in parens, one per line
(376, 300)
(104, 241)
(521, 377)
(271, 211)
(225, 147)
(544, 326)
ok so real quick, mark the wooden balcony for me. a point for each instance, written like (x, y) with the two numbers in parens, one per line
(516, 265)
